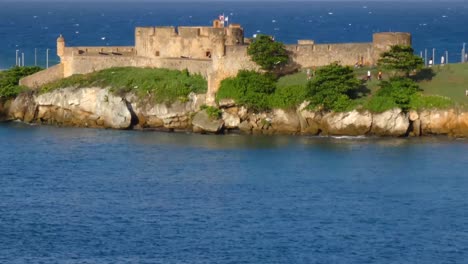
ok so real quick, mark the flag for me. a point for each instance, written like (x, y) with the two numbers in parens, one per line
(226, 19)
(221, 18)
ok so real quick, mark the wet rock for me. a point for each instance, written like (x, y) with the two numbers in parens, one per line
(207, 124)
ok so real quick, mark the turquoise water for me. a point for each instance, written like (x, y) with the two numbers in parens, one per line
(70, 195)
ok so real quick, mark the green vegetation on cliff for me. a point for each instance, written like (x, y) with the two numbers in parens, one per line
(438, 87)
(9, 81)
(161, 84)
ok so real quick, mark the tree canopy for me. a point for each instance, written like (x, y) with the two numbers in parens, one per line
(401, 59)
(331, 87)
(267, 53)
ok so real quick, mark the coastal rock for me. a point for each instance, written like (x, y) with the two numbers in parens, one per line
(444, 122)
(310, 121)
(390, 123)
(285, 122)
(88, 107)
(415, 128)
(230, 120)
(5, 110)
(226, 103)
(438, 122)
(245, 127)
(352, 123)
(413, 115)
(204, 123)
(162, 115)
(23, 108)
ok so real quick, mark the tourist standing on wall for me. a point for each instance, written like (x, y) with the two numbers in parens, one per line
(430, 62)
(442, 60)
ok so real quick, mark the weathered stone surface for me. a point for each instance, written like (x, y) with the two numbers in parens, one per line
(230, 120)
(444, 122)
(23, 108)
(285, 122)
(416, 128)
(172, 116)
(5, 110)
(310, 121)
(225, 103)
(245, 127)
(413, 115)
(203, 121)
(243, 113)
(438, 122)
(390, 123)
(83, 107)
(351, 123)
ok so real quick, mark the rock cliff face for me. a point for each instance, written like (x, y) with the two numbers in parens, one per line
(98, 107)
(89, 107)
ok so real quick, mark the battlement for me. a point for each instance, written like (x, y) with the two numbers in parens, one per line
(101, 51)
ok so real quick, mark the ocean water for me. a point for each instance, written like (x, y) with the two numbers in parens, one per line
(28, 26)
(71, 195)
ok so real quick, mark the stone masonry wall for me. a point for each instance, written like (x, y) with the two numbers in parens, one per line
(51, 74)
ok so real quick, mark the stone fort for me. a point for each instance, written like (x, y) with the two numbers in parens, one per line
(216, 52)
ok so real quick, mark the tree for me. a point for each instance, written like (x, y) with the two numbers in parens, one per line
(401, 59)
(248, 88)
(267, 53)
(400, 90)
(9, 80)
(331, 87)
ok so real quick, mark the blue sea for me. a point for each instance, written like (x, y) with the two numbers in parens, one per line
(28, 26)
(72, 195)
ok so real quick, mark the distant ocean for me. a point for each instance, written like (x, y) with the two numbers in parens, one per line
(28, 26)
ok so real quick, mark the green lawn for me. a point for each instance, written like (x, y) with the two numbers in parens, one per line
(450, 80)
(165, 85)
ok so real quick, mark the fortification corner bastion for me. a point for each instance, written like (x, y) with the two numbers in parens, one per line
(216, 52)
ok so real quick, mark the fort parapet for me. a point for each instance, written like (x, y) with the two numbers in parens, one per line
(216, 52)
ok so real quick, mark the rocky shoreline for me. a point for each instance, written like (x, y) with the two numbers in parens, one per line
(99, 108)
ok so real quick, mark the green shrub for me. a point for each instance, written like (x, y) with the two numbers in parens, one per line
(287, 97)
(213, 112)
(248, 88)
(331, 86)
(161, 84)
(400, 90)
(9, 80)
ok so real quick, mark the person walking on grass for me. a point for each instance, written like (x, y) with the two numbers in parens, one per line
(368, 75)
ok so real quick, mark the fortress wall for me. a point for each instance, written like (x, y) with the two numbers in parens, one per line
(201, 67)
(117, 50)
(324, 54)
(384, 40)
(189, 32)
(186, 42)
(234, 36)
(88, 64)
(235, 59)
(51, 74)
